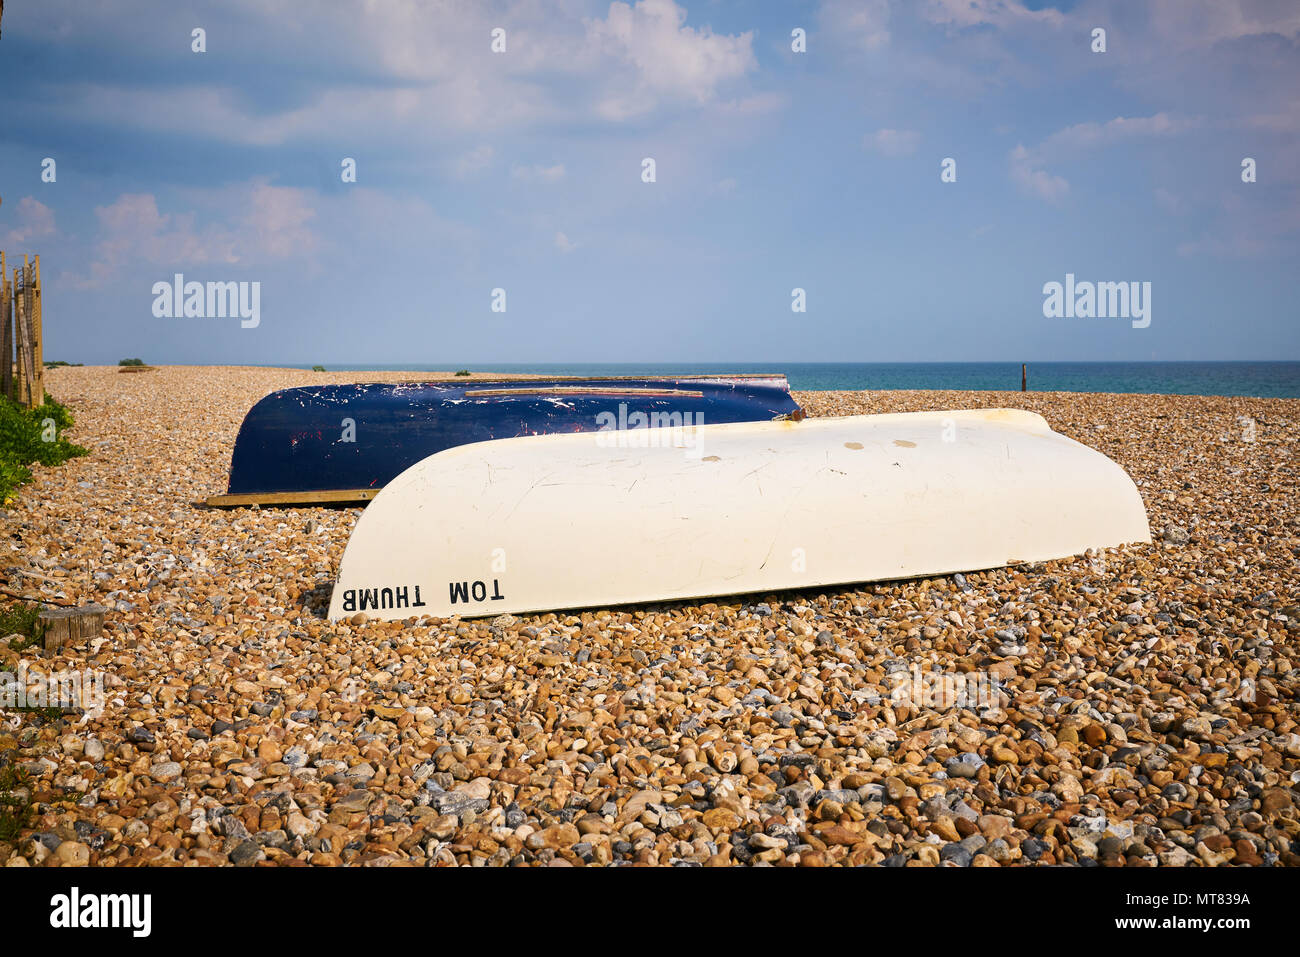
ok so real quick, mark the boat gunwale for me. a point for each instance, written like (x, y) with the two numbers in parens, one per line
(651, 391)
(748, 377)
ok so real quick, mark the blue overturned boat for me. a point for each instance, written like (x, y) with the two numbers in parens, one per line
(343, 443)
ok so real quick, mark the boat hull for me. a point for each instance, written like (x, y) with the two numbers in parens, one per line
(570, 521)
(345, 442)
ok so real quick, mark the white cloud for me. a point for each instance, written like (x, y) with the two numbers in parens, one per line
(564, 244)
(475, 161)
(1286, 120)
(997, 13)
(1036, 182)
(275, 222)
(671, 61)
(889, 142)
(1189, 24)
(35, 221)
(1028, 166)
(266, 222)
(754, 105)
(859, 24)
(538, 174)
(1091, 135)
(133, 231)
(401, 71)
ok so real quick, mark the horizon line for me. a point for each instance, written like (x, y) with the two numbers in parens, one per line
(828, 362)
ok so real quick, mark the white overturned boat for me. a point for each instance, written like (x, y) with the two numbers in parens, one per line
(608, 518)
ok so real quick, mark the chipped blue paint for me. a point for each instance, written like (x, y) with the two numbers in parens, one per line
(292, 440)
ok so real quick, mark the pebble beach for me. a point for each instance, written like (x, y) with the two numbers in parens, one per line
(1137, 706)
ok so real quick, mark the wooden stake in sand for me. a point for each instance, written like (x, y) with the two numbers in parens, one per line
(6, 334)
(71, 625)
(37, 335)
(1024, 377)
(22, 374)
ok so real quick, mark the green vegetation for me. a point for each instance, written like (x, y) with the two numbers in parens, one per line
(21, 619)
(31, 435)
(16, 810)
(131, 362)
(317, 368)
(59, 362)
(463, 372)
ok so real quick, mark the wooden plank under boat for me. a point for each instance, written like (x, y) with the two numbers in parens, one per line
(343, 443)
(574, 521)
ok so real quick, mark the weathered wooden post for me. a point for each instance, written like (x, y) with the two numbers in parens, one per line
(6, 334)
(1024, 377)
(71, 626)
(28, 376)
(31, 374)
(34, 319)
(21, 375)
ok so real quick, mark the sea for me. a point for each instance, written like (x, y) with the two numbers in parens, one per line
(1265, 379)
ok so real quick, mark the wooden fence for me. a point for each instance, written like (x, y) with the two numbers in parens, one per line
(22, 366)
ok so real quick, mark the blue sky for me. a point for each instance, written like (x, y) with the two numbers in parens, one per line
(522, 170)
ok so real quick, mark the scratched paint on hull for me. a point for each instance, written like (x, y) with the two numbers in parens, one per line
(559, 521)
(330, 438)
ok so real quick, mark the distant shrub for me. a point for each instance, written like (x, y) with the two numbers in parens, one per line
(317, 368)
(463, 372)
(131, 362)
(59, 362)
